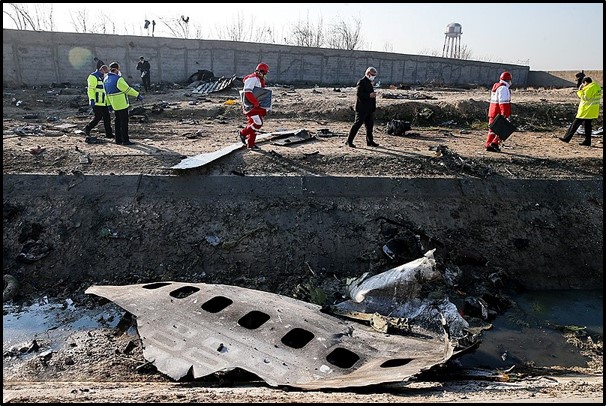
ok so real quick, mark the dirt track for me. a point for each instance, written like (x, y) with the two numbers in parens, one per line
(448, 143)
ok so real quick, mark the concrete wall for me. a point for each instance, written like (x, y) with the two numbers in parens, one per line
(41, 58)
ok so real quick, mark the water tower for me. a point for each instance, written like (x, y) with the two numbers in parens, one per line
(452, 41)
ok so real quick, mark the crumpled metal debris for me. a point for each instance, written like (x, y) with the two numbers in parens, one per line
(197, 329)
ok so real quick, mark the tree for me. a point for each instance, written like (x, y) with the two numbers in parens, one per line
(34, 16)
(465, 53)
(345, 36)
(304, 33)
(264, 34)
(237, 30)
(79, 20)
(178, 26)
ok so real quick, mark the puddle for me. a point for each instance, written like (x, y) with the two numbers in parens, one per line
(528, 334)
(52, 322)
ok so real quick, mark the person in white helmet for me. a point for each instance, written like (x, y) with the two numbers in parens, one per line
(500, 103)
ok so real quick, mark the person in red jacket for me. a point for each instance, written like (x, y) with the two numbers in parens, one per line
(251, 106)
(500, 103)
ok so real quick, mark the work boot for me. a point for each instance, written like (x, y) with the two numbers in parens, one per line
(87, 131)
(566, 140)
(586, 143)
(242, 138)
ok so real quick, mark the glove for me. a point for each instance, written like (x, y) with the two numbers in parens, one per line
(139, 98)
(92, 103)
(110, 109)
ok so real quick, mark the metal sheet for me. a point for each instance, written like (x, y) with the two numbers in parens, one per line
(205, 328)
(300, 136)
(199, 160)
(211, 87)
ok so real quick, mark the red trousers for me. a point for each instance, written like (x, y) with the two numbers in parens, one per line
(254, 122)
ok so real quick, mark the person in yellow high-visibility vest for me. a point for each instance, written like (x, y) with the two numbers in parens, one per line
(590, 94)
(97, 99)
(117, 91)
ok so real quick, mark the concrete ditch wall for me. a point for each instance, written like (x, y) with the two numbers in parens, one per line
(41, 58)
(544, 234)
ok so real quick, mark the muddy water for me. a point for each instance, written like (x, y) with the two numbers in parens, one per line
(528, 334)
(50, 323)
(531, 333)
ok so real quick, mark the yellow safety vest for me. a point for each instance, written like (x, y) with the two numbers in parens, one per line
(117, 91)
(95, 89)
(589, 106)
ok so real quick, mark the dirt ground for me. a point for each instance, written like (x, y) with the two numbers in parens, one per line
(42, 133)
(446, 138)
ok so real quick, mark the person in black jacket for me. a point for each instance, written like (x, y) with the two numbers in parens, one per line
(366, 104)
(144, 67)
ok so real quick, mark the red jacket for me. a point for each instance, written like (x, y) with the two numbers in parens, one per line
(500, 100)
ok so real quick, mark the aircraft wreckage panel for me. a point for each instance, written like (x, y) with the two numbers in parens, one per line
(199, 160)
(208, 328)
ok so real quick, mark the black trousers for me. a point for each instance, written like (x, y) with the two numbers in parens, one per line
(101, 113)
(146, 82)
(368, 119)
(575, 126)
(121, 126)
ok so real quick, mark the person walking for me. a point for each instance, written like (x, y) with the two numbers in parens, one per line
(590, 94)
(145, 68)
(117, 91)
(366, 104)
(500, 103)
(251, 105)
(98, 100)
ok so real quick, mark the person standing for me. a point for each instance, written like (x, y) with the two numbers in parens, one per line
(366, 104)
(117, 91)
(590, 94)
(251, 106)
(99, 102)
(500, 104)
(144, 67)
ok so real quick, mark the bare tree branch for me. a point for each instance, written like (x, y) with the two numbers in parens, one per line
(178, 26)
(304, 33)
(38, 18)
(79, 20)
(264, 34)
(238, 30)
(345, 36)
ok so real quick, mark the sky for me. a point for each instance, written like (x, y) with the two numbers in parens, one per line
(547, 37)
